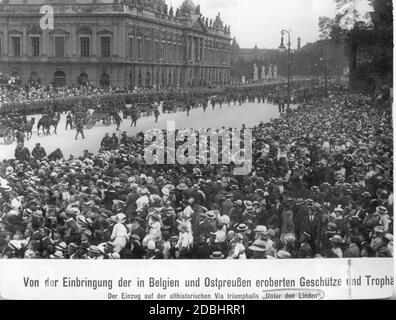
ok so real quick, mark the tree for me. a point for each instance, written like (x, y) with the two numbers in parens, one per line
(346, 19)
(325, 26)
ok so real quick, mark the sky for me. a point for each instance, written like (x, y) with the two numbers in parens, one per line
(260, 21)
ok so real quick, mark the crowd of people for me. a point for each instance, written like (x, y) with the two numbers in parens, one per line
(32, 100)
(321, 187)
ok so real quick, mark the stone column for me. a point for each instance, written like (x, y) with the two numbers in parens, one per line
(115, 46)
(135, 54)
(73, 39)
(94, 45)
(45, 43)
(136, 74)
(202, 50)
(190, 55)
(5, 41)
(123, 40)
(24, 42)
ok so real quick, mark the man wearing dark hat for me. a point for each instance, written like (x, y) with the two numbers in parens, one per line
(208, 225)
(117, 120)
(114, 142)
(353, 250)
(258, 248)
(56, 155)
(38, 152)
(311, 225)
(299, 212)
(137, 227)
(227, 204)
(201, 249)
(69, 121)
(130, 203)
(124, 138)
(22, 153)
(80, 128)
(236, 212)
(305, 250)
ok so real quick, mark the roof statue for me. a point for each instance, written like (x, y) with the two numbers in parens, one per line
(188, 8)
(218, 23)
(198, 10)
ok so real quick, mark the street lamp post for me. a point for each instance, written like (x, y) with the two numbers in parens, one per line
(282, 49)
(323, 58)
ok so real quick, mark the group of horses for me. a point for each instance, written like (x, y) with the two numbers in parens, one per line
(47, 121)
(44, 124)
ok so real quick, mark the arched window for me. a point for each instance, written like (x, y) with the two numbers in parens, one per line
(148, 79)
(104, 80)
(34, 79)
(59, 79)
(15, 79)
(131, 80)
(82, 79)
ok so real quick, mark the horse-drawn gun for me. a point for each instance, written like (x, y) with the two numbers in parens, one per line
(10, 125)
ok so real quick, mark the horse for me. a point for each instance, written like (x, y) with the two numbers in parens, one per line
(28, 128)
(46, 122)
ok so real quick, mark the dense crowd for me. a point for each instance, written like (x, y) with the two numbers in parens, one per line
(321, 187)
(32, 100)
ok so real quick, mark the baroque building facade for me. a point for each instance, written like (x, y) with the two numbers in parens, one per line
(130, 43)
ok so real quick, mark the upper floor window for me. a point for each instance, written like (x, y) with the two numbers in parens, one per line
(157, 50)
(105, 47)
(130, 54)
(59, 46)
(140, 48)
(35, 46)
(16, 46)
(84, 46)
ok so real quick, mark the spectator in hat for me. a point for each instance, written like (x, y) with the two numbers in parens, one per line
(38, 152)
(239, 249)
(305, 250)
(287, 224)
(336, 247)
(130, 203)
(227, 204)
(208, 225)
(258, 248)
(119, 235)
(353, 250)
(236, 212)
(312, 225)
(185, 242)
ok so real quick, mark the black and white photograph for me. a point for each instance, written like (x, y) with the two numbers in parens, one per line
(196, 130)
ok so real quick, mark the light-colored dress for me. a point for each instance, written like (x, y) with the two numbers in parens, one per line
(119, 237)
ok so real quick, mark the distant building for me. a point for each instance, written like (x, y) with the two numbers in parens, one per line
(251, 54)
(305, 61)
(243, 59)
(111, 42)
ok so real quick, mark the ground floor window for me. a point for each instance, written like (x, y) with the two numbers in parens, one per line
(82, 79)
(34, 79)
(59, 79)
(104, 80)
